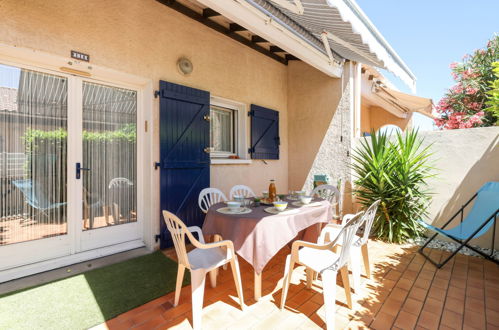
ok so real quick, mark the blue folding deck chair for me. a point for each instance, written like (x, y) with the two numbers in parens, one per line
(33, 199)
(479, 220)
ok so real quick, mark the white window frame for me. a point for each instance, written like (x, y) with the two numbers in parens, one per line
(240, 132)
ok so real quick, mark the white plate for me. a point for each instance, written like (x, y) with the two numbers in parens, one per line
(312, 204)
(241, 210)
(273, 210)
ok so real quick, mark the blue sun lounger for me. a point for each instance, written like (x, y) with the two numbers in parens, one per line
(480, 219)
(37, 202)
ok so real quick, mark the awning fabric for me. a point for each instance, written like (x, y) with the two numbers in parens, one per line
(353, 36)
(405, 102)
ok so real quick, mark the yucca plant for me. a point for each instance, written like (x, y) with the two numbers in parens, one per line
(394, 170)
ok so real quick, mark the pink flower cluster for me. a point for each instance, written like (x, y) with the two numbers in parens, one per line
(460, 120)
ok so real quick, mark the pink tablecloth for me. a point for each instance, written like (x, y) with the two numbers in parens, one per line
(258, 236)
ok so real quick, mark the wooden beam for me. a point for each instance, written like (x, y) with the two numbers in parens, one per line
(208, 12)
(220, 28)
(363, 70)
(371, 77)
(234, 27)
(275, 49)
(257, 39)
(290, 57)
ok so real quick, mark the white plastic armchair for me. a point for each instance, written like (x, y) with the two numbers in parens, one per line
(241, 190)
(327, 192)
(205, 258)
(323, 259)
(210, 196)
(359, 248)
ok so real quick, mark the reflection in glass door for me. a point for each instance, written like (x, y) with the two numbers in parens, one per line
(33, 155)
(109, 156)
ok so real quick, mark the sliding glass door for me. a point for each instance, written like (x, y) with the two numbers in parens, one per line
(68, 174)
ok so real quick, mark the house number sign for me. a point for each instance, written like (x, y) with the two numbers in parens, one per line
(80, 56)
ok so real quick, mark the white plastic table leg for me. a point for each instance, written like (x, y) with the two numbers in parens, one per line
(258, 286)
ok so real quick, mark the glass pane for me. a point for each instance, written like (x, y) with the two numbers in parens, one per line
(109, 151)
(33, 149)
(222, 129)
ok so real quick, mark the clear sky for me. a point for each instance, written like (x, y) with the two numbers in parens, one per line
(430, 34)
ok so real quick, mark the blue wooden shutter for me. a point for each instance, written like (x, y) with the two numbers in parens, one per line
(264, 133)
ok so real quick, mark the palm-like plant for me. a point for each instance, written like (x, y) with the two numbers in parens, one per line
(393, 171)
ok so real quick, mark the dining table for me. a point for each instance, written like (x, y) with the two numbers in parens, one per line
(258, 235)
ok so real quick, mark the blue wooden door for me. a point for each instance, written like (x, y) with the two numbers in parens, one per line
(185, 166)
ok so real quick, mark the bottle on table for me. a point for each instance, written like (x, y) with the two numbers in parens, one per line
(272, 191)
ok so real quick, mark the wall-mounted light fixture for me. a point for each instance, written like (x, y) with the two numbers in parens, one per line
(185, 66)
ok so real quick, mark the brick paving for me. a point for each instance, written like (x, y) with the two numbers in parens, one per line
(405, 292)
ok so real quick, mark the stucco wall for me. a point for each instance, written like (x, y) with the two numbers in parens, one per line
(465, 159)
(145, 38)
(379, 117)
(319, 126)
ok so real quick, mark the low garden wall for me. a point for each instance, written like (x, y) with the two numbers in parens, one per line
(464, 160)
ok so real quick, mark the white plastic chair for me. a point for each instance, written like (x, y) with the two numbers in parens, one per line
(210, 196)
(322, 258)
(205, 258)
(328, 192)
(241, 190)
(359, 248)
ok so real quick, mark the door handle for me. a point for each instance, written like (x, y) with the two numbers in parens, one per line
(79, 169)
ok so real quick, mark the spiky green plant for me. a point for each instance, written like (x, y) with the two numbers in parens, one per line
(394, 170)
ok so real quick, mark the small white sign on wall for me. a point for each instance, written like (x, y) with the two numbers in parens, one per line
(80, 56)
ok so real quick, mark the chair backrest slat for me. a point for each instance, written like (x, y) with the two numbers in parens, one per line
(177, 229)
(210, 196)
(241, 190)
(368, 220)
(346, 237)
(327, 192)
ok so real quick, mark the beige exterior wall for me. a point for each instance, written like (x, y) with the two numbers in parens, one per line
(373, 118)
(145, 38)
(319, 126)
(464, 159)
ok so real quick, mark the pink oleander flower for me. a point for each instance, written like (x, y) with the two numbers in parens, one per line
(471, 90)
(453, 65)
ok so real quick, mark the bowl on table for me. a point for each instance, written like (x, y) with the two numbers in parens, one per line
(304, 199)
(238, 198)
(234, 206)
(280, 205)
(300, 192)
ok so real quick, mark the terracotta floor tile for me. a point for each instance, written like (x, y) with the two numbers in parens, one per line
(474, 319)
(428, 320)
(451, 319)
(418, 294)
(437, 293)
(456, 305)
(492, 317)
(433, 306)
(406, 320)
(413, 306)
(383, 321)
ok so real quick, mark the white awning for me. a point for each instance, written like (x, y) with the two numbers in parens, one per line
(349, 32)
(405, 102)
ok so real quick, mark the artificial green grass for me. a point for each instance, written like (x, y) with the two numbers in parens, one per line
(88, 299)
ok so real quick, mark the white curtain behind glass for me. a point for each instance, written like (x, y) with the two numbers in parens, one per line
(222, 122)
(110, 151)
(33, 149)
